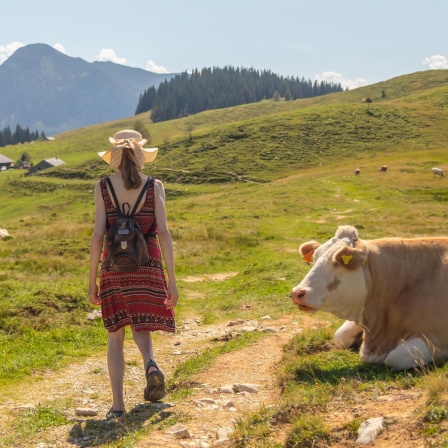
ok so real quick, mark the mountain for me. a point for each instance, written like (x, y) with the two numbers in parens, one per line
(47, 90)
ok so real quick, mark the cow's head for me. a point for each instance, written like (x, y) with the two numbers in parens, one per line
(336, 282)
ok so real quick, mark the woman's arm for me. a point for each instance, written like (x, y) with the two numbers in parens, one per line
(96, 245)
(166, 243)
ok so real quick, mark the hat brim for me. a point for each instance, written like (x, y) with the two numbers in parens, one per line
(149, 153)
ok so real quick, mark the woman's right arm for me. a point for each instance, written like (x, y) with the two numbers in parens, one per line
(96, 245)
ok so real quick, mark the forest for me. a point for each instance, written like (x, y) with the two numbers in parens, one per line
(20, 135)
(216, 88)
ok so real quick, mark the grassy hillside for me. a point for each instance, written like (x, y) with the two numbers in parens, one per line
(267, 140)
(244, 191)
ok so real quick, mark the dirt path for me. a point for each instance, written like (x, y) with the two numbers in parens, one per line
(234, 387)
(211, 408)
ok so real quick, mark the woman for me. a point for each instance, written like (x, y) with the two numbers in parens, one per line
(141, 299)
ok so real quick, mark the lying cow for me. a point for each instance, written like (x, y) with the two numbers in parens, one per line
(392, 291)
(383, 168)
(438, 172)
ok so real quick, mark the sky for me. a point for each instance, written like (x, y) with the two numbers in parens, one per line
(354, 43)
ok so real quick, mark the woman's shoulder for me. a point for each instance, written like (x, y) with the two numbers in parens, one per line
(158, 183)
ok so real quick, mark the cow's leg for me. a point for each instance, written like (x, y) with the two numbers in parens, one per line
(348, 334)
(369, 355)
(409, 354)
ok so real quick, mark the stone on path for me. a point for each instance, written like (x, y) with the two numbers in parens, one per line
(246, 388)
(368, 430)
(25, 407)
(226, 389)
(86, 412)
(179, 431)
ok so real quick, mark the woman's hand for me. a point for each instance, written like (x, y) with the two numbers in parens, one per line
(94, 297)
(173, 297)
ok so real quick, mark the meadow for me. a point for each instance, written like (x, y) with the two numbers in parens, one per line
(245, 186)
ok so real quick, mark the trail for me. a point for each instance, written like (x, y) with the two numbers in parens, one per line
(209, 414)
(234, 387)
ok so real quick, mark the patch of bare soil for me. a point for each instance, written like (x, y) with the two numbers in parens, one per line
(210, 277)
(401, 419)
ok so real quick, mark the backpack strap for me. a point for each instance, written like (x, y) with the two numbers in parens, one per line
(111, 188)
(140, 196)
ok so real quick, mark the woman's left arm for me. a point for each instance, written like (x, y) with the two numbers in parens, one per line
(96, 245)
(166, 243)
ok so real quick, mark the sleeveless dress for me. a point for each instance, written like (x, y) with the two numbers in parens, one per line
(136, 298)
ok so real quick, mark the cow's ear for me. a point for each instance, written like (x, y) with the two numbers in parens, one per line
(307, 250)
(351, 257)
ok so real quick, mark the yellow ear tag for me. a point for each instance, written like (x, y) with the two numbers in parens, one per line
(346, 258)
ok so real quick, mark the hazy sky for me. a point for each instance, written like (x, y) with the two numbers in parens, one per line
(352, 42)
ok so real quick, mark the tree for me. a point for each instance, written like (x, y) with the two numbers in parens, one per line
(276, 96)
(368, 101)
(140, 126)
(190, 127)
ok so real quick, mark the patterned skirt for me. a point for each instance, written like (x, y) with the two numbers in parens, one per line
(136, 298)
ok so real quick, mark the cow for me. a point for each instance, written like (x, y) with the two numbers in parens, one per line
(383, 168)
(438, 172)
(357, 172)
(392, 292)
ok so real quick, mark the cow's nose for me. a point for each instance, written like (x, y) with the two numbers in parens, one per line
(298, 295)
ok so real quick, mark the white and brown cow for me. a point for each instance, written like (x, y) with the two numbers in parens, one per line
(383, 168)
(393, 292)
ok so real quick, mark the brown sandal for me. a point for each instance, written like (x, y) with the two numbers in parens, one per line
(155, 383)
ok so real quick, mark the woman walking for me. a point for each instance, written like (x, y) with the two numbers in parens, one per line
(141, 299)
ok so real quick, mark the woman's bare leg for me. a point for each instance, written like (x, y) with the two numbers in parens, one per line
(115, 364)
(143, 340)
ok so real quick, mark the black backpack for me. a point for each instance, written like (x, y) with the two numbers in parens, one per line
(126, 245)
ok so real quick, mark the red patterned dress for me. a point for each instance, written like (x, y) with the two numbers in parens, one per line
(136, 298)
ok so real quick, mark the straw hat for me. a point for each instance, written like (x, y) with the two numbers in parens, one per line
(128, 139)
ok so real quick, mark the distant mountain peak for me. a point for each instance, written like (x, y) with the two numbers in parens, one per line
(47, 90)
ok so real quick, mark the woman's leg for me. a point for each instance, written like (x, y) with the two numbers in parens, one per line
(155, 380)
(143, 340)
(115, 364)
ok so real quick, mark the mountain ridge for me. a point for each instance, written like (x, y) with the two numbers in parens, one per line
(47, 90)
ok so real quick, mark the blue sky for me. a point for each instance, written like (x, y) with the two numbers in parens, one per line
(352, 42)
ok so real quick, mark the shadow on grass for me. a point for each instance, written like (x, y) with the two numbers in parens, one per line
(92, 432)
(311, 373)
(333, 376)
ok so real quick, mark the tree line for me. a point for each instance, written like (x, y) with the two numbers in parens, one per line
(215, 88)
(20, 135)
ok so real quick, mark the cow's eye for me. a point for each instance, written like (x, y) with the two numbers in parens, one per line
(335, 264)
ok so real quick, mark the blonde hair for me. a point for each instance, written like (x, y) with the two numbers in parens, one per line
(130, 170)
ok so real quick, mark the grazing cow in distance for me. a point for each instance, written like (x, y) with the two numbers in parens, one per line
(393, 293)
(438, 172)
(357, 172)
(383, 168)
